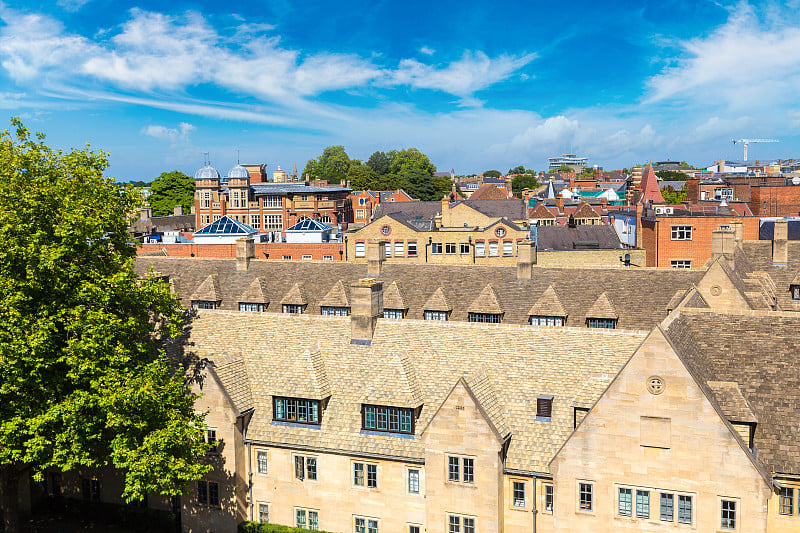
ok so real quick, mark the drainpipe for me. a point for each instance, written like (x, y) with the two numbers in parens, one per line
(534, 511)
(250, 479)
(430, 240)
(345, 247)
(472, 247)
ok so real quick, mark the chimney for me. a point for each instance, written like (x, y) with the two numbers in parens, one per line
(721, 166)
(638, 225)
(560, 204)
(780, 245)
(738, 231)
(526, 258)
(177, 210)
(366, 305)
(145, 212)
(437, 220)
(376, 254)
(722, 243)
(245, 250)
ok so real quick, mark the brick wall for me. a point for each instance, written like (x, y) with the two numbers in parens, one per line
(661, 249)
(775, 201)
(273, 250)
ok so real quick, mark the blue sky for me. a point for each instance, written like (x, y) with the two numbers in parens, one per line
(474, 85)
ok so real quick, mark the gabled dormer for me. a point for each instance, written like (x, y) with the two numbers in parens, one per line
(602, 314)
(207, 295)
(486, 307)
(254, 298)
(437, 307)
(295, 301)
(337, 301)
(548, 310)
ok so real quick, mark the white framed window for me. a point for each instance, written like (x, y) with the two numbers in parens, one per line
(508, 248)
(413, 528)
(685, 509)
(261, 462)
(681, 233)
(263, 513)
(585, 496)
(518, 493)
(203, 304)
(251, 307)
(727, 514)
(216, 217)
(286, 257)
(450, 248)
(365, 475)
(413, 480)
(272, 201)
(542, 320)
(273, 222)
(460, 469)
(306, 518)
(463, 248)
(549, 497)
(493, 249)
(206, 199)
(293, 309)
(306, 257)
(388, 247)
(361, 249)
(397, 314)
(327, 258)
(305, 468)
(326, 219)
(460, 524)
(334, 311)
(399, 249)
(480, 249)
(361, 214)
(255, 221)
(363, 524)
(786, 501)
(412, 249)
(680, 263)
(435, 315)
(437, 248)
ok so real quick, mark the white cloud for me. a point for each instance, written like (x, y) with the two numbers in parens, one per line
(179, 135)
(427, 50)
(72, 5)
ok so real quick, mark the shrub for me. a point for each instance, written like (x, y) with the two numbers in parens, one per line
(255, 527)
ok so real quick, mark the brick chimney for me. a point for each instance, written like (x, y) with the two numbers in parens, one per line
(526, 258)
(780, 242)
(366, 305)
(177, 210)
(245, 250)
(376, 254)
(722, 243)
(560, 204)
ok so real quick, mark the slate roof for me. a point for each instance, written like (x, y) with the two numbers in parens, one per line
(640, 295)
(295, 188)
(602, 308)
(393, 297)
(548, 304)
(512, 208)
(753, 257)
(524, 363)
(233, 377)
(767, 230)
(761, 354)
(583, 236)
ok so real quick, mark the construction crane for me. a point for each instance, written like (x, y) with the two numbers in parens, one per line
(746, 143)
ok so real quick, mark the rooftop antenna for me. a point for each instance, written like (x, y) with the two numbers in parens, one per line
(206, 160)
(237, 156)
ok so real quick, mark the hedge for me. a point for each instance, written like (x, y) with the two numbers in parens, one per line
(255, 527)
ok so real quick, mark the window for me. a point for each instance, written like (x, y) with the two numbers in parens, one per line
(251, 307)
(399, 249)
(303, 197)
(585, 502)
(518, 494)
(681, 233)
(413, 481)
(263, 513)
(541, 320)
(326, 219)
(361, 214)
(412, 249)
(389, 419)
(365, 475)
(786, 501)
(90, 489)
(436, 248)
(544, 406)
(493, 249)
(414, 529)
(255, 221)
(360, 249)
(211, 437)
(203, 304)
(287, 257)
(334, 311)
(460, 469)
(728, 514)
(216, 217)
(463, 248)
(306, 518)
(273, 222)
(455, 522)
(273, 201)
(642, 504)
(435, 315)
(684, 509)
(388, 246)
(480, 249)
(305, 467)
(261, 462)
(206, 199)
(667, 511)
(680, 263)
(366, 525)
(293, 309)
(795, 292)
(489, 318)
(625, 502)
(450, 248)
(307, 258)
(394, 313)
(549, 497)
(508, 248)
(327, 258)
(296, 410)
(208, 493)
(607, 323)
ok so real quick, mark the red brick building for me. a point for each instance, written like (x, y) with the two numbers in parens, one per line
(326, 251)
(365, 202)
(268, 207)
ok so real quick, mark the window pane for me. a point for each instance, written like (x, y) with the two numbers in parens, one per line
(300, 518)
(372, 526)
(311, 467)
(262, 462)
(372, 476)
(405, 421)
(469, 470)
(728, 514)
(642, 504)
(786, 501)
(413, 481)
(369, 417)
(585, 496)
(469, 525)
(361, 526)
(454, 524)
(685, 509)
(358, 474)
(299, 467)
(313, 520)
(263, 513)
(667, 512)
(519, 494)
(452, 469)
(625, 505)
(548, 498)
(213, 493)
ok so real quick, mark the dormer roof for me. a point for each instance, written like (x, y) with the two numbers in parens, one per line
(437, 302)
(255, 292)
(393, 297)
(404, 389)
(303, 376)
(486, 302)
(602, 308)
(548, 304)
(295, 296)
(208, 290)
(338, 296)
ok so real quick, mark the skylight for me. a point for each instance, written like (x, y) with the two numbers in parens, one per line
(226, 226)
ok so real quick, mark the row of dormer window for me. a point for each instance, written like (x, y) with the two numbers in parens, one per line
(387, 419)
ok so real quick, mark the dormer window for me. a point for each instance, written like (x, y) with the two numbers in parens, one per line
(435, 315)
(299, 410)
(394, 313)
(544, 407)
(488, 318)
(603, 323)
(334, 311)
(204, 304)
(795, 289)
(387, 419)
(542, 320)
(294, 309)
(251, 307)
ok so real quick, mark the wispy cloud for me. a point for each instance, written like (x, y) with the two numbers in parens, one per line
(72, 5)
(427, 50)
(179, 135)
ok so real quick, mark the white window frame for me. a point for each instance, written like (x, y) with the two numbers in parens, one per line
(307, 257)
(480, 249)
(306, 513)
(361, 249)
(255, 221)
(327, 258)
(399, 249)
(273, 222)
(464, 248)
(259, 509)
(585, 507)
(465, 468)
(680, 263)
(494, 249)
(681, 233)
(450, 248)
(437, 248)
(508, 248)
(517, 503)
(456, 523)
(262, 454)
(272, 201)
(411, 483)
(412, 249)
(435, 315)
(361, 213)
(368, 521)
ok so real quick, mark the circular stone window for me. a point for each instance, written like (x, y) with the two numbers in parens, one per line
(500, 232)
(655, 385)
(716, 290)
(386, 230)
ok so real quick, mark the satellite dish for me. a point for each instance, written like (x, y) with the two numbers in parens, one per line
(795, 181)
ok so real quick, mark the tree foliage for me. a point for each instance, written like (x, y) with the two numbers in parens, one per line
(332, 165)
(523, 181)
(492, 174)
(673, 197)
(170, 189)
(672, 175)
(84, 376)
(565, 168)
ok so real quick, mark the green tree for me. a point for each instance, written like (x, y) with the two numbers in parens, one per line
(492, 174)
(171, 189)
(84, 377)
(421, 185)
(625, 171)
(360, 176)
(523, 181)
(378, 163)
(332, 165)
(565, 168)
(671, 175)
(517, 170)
(444, 185)
(588, 171)
(402, 161)
(672, 197)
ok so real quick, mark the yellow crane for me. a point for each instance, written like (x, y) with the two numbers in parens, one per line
(746, 143)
